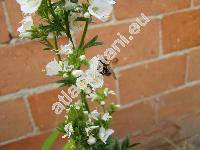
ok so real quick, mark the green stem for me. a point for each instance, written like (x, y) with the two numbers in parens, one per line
(56, 46)
(67, 28)
(84, 101)
(84, 34)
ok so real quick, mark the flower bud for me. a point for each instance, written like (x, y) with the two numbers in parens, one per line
(82, 57)
(87, 15)
(65, 75)
(103, 103)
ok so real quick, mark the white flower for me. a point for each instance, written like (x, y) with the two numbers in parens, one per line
(53, 68)
(27, 24)
(82, 57)
(29, 6)
(111, 2)
(95, 79)
(88, 91)
(66, 49)
(91, 140)
(94, 115)
(69, 130)
(90, 129)
(77, 73)
(77, 105)
(103, 103)
(82, 82)
(93, 96)
(106, 117)
(101, 9)
(107, 92)
(94, 64)
(85, 112)
(86, 15)
(104, 134)
(89, 122)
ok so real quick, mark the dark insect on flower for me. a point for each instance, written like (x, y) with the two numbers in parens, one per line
(106, 69)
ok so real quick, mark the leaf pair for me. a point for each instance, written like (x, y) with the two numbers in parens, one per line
(93, 42)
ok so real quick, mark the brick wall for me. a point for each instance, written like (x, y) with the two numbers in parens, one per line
(158, 76)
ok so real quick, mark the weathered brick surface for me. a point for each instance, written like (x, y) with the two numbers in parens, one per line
(132, 8)
(196, 2)
(136, 49)
(179, 103)
(4, 35)
(41, 108)
(14, 119)
(191, 129)
(21, 66)
(153, 78)
(14, 14)
(140, 117)
(194, 65)
(33, 143)
(174, 28)
(181, 30)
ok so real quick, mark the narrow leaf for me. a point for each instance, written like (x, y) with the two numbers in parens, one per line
(50, 140)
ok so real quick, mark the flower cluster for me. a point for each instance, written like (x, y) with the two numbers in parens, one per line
(85, 129)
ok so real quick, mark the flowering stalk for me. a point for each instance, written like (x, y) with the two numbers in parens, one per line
(84, 128)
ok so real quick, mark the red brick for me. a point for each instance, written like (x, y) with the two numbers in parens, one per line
(153, 78)
(4, 35)
(130, 120)
(194, 65)
(21, 66)
(109, 82)
(15, 15)
(155, 139)
(41, 108)
(33, 143)
(190, 125)
(179, 103)
(14, 119)
(136, 49)
(132, 8)
(181, 30)
(196, 2)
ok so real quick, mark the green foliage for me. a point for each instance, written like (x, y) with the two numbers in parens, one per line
(92, 42)
(50, 140)
(69, 146)
(124, 145)
(70, 80)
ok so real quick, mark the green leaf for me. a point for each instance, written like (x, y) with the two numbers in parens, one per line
(69, 145)
(92, 42)
(60, 127)
(71, 80)
(133, 145)
(49, 141)
(116, 145)
(125, 144)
